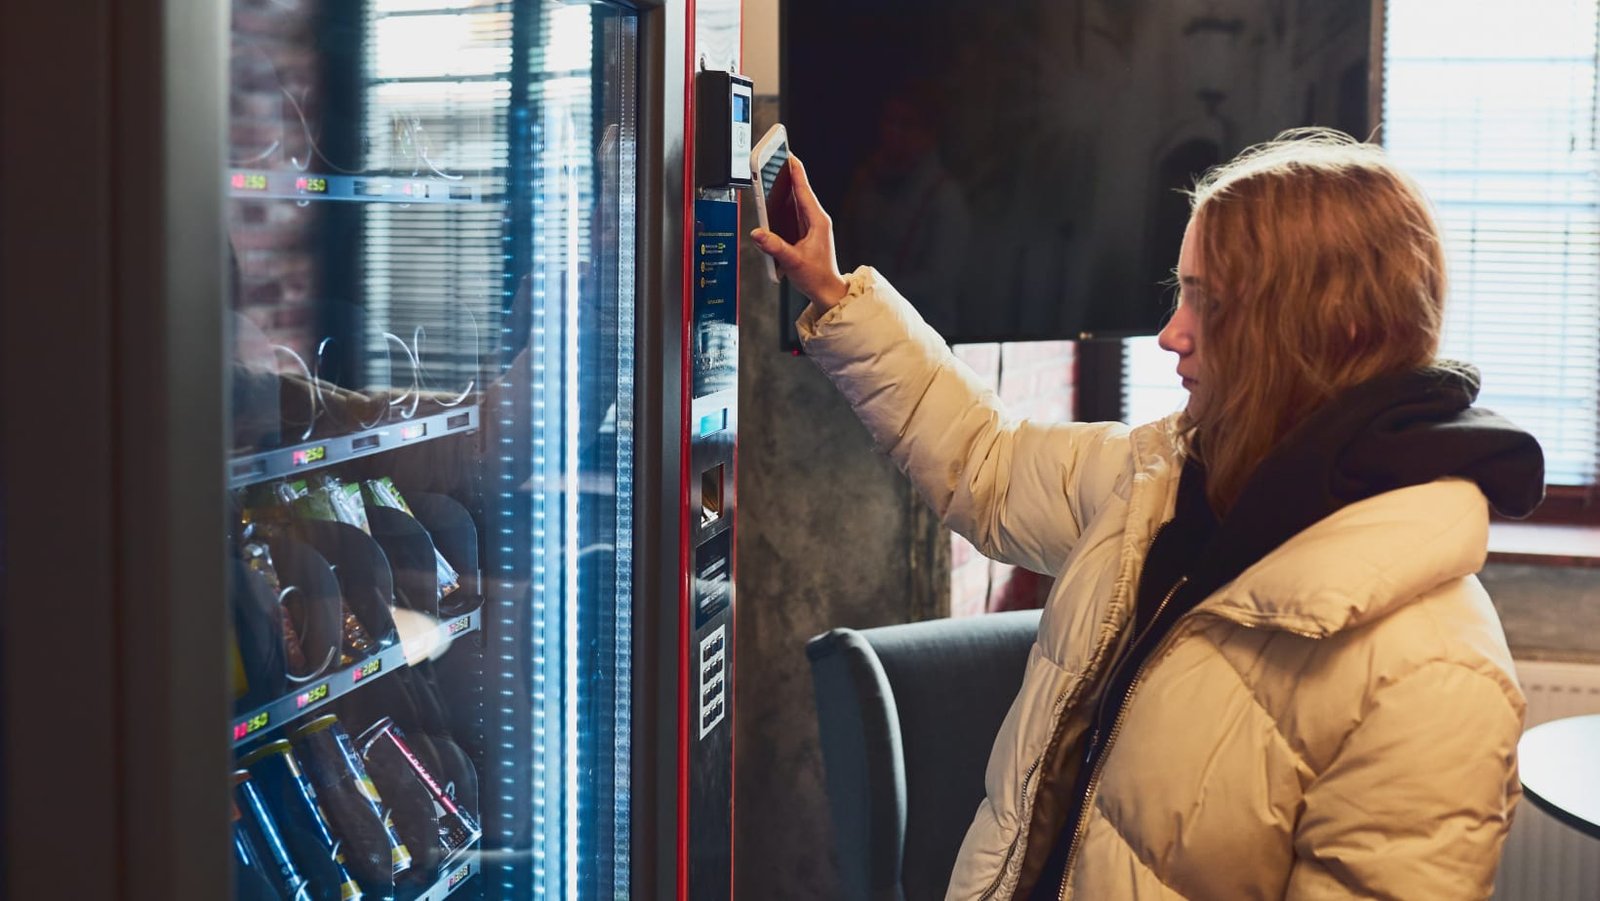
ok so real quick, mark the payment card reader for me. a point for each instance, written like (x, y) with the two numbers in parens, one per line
(722, 129)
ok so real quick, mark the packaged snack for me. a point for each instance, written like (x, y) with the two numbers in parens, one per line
(292, 800)
(326, 498)
(258, 632)
(261, 506)
(357, 643)
(307, 503)
(425, 815)
(250, 880)
(258, 560)
(266, 838)
(373, 850)
(384, 493)
(271, 511)
(348, 505)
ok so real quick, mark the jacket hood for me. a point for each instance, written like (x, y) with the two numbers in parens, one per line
(1350, 479)
(1418, 426)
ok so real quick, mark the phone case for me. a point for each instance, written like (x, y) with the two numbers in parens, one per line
(772, 144)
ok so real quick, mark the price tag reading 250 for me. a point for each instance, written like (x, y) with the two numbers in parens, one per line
(370, 668)
(246, 728)
(306, 698)
(309, 455)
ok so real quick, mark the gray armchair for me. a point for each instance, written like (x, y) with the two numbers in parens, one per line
(907, 715)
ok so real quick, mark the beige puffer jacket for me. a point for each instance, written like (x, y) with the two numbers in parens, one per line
(1339, 721)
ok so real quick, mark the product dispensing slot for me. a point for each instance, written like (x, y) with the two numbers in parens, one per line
(711, 495)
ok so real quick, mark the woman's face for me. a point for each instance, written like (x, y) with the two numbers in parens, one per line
(1182, 332)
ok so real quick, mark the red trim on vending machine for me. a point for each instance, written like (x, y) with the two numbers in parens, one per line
(685, 454)
(733, 614)
(733, 542)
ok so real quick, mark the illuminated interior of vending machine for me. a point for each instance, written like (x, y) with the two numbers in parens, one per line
(431, 213)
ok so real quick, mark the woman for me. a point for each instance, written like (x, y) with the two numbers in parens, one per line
(1267, 669)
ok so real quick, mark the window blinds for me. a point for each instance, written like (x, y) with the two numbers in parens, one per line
(436, 100)
(1492, 106)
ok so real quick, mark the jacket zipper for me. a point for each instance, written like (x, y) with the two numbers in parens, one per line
(1062, 703)
(1116, 726)
(1012, 848)
(1154, 618)
(1111, 737)
(1117, 667)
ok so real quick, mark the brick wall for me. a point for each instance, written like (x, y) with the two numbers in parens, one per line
(1034, 381)
(274, 241)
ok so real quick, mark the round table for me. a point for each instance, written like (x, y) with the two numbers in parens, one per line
(1560, 766)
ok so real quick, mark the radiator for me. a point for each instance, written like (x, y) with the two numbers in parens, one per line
(1545, 860)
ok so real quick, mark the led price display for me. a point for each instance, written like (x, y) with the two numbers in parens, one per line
(248, 181)
(415, 430)
(309, 455)
(246, 728)
(307, 698)
(415, 189)
(461, 625)
(311, 184)
(369, 668)
(460, 875)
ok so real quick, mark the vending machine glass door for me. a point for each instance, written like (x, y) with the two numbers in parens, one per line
(430, 339)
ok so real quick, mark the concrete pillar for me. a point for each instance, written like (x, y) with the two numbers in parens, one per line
(830, 534)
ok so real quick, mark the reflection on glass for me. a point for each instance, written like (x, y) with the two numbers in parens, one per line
(432, 229)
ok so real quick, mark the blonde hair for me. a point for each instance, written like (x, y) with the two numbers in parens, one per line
(1324, 269)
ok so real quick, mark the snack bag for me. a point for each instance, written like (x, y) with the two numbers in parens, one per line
(323, 500)
(258, 559)
(384, 493)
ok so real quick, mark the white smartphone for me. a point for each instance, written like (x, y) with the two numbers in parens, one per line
(776, 204)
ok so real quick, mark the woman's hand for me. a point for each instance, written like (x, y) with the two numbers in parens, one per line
(811, 265)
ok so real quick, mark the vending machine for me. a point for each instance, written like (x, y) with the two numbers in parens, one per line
(382, 543)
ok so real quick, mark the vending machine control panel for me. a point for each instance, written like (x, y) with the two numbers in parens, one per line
(719, 124)
(712, 517)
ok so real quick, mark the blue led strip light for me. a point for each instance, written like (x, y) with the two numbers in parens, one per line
(622, 591)
(508, 808)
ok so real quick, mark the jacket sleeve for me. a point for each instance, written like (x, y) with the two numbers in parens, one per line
(1418, 801)
(1021, 492)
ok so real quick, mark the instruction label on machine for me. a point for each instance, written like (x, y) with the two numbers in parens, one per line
(716, 291)
(713, 577)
